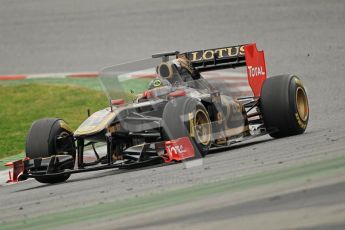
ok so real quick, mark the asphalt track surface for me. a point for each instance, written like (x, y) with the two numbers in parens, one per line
(301, 37)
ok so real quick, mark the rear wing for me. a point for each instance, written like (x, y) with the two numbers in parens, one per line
(218, 58)
(232, 57)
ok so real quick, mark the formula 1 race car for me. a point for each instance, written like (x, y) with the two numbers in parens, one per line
(162, 110)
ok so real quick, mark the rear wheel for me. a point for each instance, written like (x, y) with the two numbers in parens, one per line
(47, 137)
(284, 106)
(186, 116)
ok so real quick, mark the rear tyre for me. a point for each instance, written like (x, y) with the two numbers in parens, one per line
(47, 137)
(184, 116)
(284, 106)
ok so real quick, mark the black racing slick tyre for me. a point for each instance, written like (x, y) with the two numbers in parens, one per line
(284, 106)
(184, 116)
(48, 137)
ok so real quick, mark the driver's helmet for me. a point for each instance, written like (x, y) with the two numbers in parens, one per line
(156, 83)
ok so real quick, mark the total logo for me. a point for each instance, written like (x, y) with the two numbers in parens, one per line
(255, 71)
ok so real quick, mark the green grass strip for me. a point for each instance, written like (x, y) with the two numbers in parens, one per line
(24, 103)
(135, 205)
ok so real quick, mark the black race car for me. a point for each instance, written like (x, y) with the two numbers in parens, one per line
(162, 110)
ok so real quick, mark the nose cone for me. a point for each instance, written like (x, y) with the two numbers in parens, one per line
(97, 122)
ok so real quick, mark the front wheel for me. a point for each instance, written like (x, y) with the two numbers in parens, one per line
(47, 137)
(186, 116)
(284, 106)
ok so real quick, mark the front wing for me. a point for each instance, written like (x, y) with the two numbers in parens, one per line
(134, 157)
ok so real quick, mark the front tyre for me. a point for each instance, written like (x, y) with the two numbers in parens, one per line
(284, 106)
(47, 137)
(184, 116)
